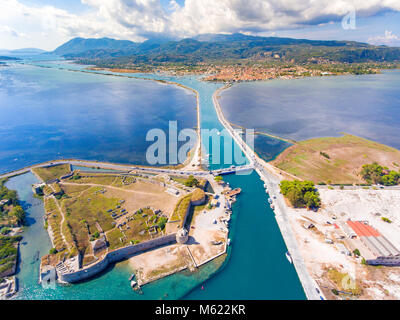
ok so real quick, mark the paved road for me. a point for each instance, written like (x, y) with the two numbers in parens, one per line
(121, 167)
(270, 175)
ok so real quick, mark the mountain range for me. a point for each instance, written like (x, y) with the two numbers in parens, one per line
(222, 47)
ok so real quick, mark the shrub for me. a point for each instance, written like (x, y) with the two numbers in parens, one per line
(324, 155)
(191, 182)
(162, 222)
(53, 251)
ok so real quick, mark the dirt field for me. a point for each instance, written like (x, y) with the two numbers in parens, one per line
(321, 257)
(142, 194)
(335, 160)
(157, 263)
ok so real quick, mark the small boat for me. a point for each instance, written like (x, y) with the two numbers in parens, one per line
(270, 200)
(133, 283)
(289, 257)
(132, 277)
(265, 186)
(272, 206)
(36, 257)
(228, 242)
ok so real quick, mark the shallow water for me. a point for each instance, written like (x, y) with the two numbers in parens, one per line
(366, 106)
(49, 114)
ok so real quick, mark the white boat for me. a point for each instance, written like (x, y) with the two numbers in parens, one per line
(132, 276)
(289, 257)
(133, 283)
(228, 242)
(270, 200)
(272, 206)
(265, 186)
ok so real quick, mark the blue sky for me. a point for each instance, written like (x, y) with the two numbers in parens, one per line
(48, 23)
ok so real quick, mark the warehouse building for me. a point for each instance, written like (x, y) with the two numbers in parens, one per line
(373, 246)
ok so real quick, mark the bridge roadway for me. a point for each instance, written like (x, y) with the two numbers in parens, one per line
(272, 177)
(127, 168)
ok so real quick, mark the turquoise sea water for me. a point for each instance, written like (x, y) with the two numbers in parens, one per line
(256, 267)
(366, 106)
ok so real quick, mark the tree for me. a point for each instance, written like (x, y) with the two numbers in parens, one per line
(391, 179)
(192, 182)
(300, 193)
(53, 251)
(372, 173)
(375, 173)
(312, 199)
(218, 178)
(19, 213)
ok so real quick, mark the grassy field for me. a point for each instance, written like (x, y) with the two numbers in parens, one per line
(54, 172)
(96, 205)
(83, 212)
(102, 179)
(335, 159)
(116, 239)
(8, 253)
(180, 210)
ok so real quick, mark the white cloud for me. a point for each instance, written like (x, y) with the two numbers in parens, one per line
(389, 38)
(11, 32)
(138, 19)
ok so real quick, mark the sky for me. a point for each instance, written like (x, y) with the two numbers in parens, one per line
(46, 24)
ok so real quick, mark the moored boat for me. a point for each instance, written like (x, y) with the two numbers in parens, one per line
(289, 257)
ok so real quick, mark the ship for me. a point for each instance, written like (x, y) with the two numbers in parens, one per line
(289, 257)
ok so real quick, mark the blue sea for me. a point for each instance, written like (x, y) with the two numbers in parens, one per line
(47, 113)
(365, 105)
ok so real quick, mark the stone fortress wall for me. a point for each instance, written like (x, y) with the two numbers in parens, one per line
(115, 256)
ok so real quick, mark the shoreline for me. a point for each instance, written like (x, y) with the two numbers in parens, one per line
(269, 177)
